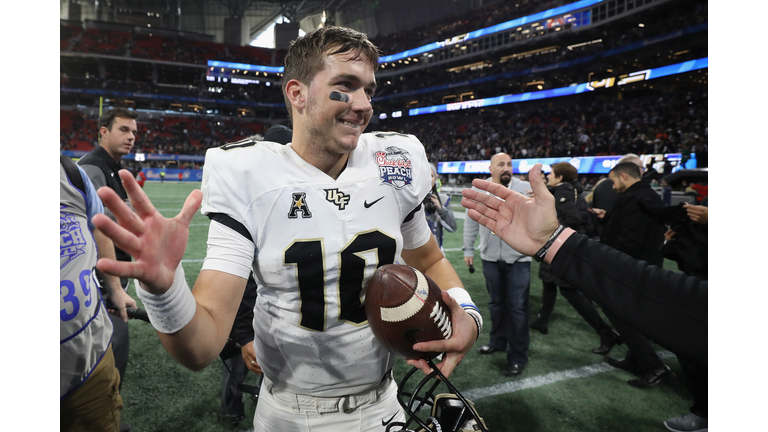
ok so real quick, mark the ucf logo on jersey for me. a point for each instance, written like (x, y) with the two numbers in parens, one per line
(337, 197)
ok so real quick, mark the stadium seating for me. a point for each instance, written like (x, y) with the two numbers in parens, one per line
(577, 125)
(161, 134)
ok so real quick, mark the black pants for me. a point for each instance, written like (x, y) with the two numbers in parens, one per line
(231, 396)
(640, 351)
(698, 384)
(120, 345)
(579, 301)
(120, 339)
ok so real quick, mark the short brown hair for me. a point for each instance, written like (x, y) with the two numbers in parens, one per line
(107, 119)
(568, 172)
(628, 168)
(306, 55)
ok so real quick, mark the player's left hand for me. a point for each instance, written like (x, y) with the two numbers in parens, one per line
(156, 243)
(121, 300)
(249, 357)
(455, 348)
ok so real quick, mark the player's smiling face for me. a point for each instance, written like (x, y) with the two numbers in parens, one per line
(337, 125)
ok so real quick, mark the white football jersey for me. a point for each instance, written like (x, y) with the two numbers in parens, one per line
(316, 243)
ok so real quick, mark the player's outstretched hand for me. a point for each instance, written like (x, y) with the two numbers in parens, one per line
(522, 222)
(156, 243)
(463, 337)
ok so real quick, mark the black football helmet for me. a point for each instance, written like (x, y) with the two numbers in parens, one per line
(448, 412)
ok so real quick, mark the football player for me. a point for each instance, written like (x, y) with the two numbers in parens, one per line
(312, 220)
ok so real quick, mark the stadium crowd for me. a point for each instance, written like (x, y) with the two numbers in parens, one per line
(161, 134)
(668, 123)
(468, 21)
(151, 46)
(609, 38)
(144, 45)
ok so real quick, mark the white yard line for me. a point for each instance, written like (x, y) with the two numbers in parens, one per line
(542, 380)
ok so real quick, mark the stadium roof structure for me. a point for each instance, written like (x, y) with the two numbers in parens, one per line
(294, 10)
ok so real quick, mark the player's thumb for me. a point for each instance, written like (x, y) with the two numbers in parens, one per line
(452, 304)
(538, 185)
(191, 206)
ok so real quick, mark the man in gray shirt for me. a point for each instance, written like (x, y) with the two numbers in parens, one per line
(507, 277)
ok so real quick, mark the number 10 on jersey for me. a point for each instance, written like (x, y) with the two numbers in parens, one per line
(309, 258)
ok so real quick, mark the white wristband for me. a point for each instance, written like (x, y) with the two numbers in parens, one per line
(478, 319)
(171, 311)
(465, 301)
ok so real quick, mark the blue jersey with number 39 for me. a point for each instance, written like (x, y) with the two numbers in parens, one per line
(85, 328)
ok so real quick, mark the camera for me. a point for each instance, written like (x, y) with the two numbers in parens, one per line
(429, 206)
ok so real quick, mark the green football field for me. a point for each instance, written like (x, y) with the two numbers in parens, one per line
(564, 388)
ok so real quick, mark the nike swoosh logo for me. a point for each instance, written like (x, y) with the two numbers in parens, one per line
(384, 423)
(366, 204)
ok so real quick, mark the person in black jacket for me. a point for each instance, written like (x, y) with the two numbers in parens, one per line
(604, 196)
(586, 216)
(567, 202)
(667, 307)
(238, 357)
(630, 230)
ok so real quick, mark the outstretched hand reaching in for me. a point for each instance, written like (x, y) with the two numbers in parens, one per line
(156, 243)
(522, 222)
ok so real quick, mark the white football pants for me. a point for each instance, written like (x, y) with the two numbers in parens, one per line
(286, 412)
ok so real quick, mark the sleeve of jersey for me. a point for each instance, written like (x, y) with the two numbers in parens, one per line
(228, 251)
(416, 231)
(230, 243)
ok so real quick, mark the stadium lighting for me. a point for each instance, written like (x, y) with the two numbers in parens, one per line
(633, 77)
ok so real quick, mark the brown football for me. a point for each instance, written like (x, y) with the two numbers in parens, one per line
(404, 306)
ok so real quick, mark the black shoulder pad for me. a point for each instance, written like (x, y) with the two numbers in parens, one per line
(72, 172)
